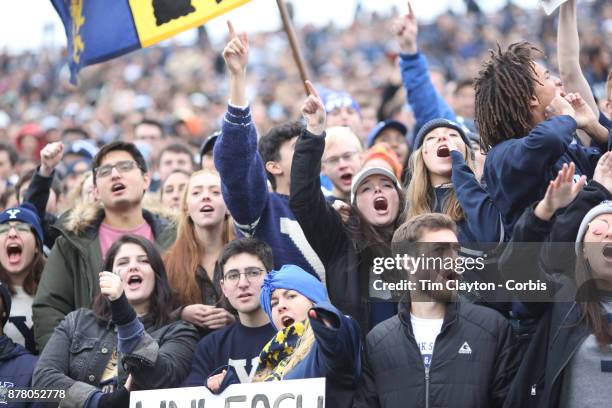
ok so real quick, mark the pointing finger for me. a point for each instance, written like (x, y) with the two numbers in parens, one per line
(311, 89)
(230, 27)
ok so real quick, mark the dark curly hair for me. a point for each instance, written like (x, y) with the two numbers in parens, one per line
(504, 87)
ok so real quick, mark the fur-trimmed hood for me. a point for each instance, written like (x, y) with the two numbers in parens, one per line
(85, 215)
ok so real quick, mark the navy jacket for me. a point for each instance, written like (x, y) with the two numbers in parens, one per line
(335, 355)
(560, 331)
(517, 171)
(16, 368)
(482, 221)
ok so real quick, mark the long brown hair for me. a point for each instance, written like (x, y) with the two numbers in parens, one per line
(421, 194)
(34, 272)
(160, 301)
(589, 301)
(183, 258)
(367, 235)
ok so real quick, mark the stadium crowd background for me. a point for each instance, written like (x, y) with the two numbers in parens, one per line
(185, 87)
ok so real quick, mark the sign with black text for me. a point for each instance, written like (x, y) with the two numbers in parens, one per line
(308, 393)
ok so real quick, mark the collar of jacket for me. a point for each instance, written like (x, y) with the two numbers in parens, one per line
(450, 315)
(85, 224)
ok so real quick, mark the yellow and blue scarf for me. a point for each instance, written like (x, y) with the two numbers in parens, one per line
(276, 354)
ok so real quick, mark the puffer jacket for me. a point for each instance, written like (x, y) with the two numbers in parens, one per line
(473, 363)
(70, 278)
(81, 347)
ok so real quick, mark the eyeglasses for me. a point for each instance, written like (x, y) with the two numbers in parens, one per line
(19, 227)
(335, 160)
(122, 167)
(251, 274)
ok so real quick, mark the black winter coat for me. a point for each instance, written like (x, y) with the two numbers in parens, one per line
(347, 262)
(560, 330)
(394, 375)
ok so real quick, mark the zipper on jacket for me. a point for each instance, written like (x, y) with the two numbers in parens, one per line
(426, 387)
(569, 357)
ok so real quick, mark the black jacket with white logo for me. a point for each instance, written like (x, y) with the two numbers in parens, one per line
(474, 361)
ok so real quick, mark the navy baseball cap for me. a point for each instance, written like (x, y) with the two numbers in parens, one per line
(386, 124)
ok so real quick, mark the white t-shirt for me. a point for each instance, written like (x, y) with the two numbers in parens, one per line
(21, 315)
(425, 332)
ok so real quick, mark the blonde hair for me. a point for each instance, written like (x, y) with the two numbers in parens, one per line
(301, 350)
(338, 135)
(421, 194)
(75, 197)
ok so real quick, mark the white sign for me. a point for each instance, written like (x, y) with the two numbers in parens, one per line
(308, 393)
(550, 6)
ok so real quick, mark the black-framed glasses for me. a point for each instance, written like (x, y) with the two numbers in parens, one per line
(19, 227)
(251, 274)
(122, 166)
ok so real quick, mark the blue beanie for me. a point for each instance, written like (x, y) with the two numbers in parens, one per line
(291, 277)
(26, 212)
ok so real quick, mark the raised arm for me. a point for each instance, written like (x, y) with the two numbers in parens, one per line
(338, 344)
(534, 227)
(40, 187)
(306, 199)
(568, 52)
(423, 97)
(152, 362)
(483, 219)
(243, 177)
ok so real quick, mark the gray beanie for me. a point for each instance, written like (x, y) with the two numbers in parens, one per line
(605, 207)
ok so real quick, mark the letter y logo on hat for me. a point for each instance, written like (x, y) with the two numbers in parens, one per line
(13, 213)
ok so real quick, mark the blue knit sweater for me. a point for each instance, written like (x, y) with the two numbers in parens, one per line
(256, 211)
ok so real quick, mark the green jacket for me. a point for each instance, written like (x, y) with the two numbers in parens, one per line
(70, 278)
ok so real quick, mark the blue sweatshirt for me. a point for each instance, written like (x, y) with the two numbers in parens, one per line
(517, 171)
(236, 346)
(257, 212)
(16, 368)
(482, 222)
(335, 354)
(426, 102)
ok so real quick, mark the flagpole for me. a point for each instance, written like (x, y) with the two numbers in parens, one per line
(295, 49)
